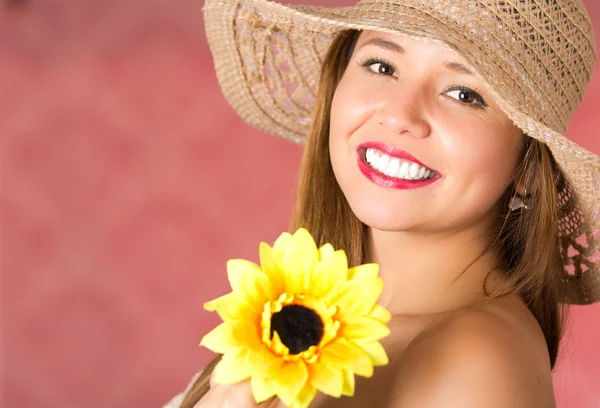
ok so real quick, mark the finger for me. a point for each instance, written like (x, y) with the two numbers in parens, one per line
(214, 398)
(212, 380)
(239, 395)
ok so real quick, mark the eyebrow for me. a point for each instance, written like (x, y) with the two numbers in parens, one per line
(385, 44)
(397, 48)
(457, 67)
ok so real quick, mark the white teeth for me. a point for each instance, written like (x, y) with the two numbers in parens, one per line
(398, 168)
(384, 159)
(393, 167)
(414, 170)
(403, 172)
(369, 155)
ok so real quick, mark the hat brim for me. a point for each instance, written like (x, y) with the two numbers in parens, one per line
(267, 58)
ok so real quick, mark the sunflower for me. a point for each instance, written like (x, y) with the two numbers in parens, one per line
(302, 321)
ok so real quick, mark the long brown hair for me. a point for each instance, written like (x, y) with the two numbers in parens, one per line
(526, 242)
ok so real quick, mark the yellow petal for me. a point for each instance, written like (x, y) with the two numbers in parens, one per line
(357, 297)
(231, 307)
(298, 264)
(348, 383)
(364, 329)
(329, 274)
(364, 271)
(326, 378)
(376, 352)
(248, 334)
(262, 388)
(271, 265)
(349, 356)
(291, 378)
(303, 238)
(232, 368)
(248, 281)
(282, 243)
(211, 305)
(325, 251)
(305, 397)
(220, 339)
(265, 363)
(380, 314)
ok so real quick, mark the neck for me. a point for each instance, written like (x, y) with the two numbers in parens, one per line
(431, 273)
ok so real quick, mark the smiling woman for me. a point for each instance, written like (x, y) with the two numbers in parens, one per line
(435, 147)
(401, 103)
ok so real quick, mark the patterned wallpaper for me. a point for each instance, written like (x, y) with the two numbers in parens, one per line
(126, 182)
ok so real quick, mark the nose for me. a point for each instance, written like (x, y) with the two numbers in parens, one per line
(403, 113)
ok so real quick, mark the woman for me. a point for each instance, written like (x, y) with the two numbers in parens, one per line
(435, 148)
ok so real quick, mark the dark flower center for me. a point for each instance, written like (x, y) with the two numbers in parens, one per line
(298, 327)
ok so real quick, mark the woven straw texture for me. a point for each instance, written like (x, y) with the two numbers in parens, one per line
(535, 56)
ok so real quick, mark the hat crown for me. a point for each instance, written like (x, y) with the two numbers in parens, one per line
(546, 46)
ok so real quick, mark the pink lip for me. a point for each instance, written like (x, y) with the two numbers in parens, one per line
(385, 181)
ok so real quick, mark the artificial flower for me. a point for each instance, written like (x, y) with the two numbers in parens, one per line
(302, 321)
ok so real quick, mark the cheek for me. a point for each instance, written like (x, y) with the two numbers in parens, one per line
(346, 116)
(351, 111)
(352, 105)
(483, 156)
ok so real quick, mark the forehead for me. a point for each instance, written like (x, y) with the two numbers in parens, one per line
(412, 46)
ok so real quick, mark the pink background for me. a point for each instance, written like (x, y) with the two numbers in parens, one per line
(126, 184)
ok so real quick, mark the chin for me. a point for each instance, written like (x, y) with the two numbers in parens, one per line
(386, 218)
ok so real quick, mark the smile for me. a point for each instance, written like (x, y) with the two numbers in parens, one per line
(389, 167)
(395, 167)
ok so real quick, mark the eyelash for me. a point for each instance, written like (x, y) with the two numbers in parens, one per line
(368, 61)
(480, 102)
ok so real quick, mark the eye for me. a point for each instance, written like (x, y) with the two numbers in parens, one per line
(378, 67)
(467, 96)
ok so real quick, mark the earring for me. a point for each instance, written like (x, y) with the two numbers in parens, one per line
(516, 203)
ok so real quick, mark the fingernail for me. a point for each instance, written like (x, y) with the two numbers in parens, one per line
(212, 380)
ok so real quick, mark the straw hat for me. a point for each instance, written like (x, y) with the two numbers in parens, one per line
(537, 57)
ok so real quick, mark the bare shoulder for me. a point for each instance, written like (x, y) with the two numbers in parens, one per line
(481, 357)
